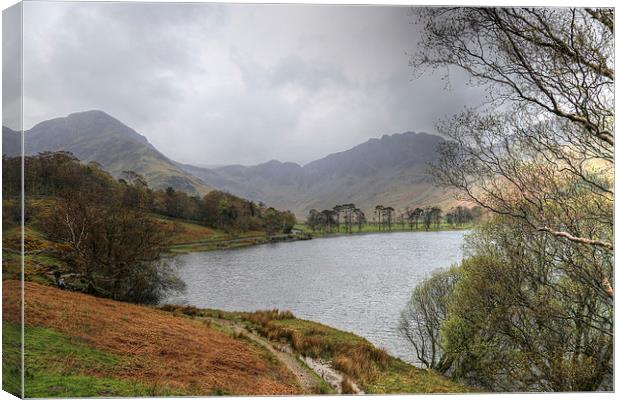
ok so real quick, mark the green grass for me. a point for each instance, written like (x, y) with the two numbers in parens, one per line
(59, 366)
(11, 358)
(55, 385)
(221, 244)
(371, 228)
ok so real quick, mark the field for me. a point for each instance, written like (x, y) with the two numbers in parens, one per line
(189, 236)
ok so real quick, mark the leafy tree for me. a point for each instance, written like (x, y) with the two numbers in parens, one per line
(387, 217)
(360, 218)
(427, 218)
(378, 216)
(414, 217)
(314, 220)
(329, 219)
(337, 209)
(518, 322)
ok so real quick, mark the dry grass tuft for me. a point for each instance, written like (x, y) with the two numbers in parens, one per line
(358, 359)
(263, 317)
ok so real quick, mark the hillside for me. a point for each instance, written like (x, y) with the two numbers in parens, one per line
(80, 345)
(392, 170)
(11, 142)
(96, 136)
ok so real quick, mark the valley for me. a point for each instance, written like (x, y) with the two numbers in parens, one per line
(391, 170)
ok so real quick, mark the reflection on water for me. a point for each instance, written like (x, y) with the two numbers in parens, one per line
(356, 283)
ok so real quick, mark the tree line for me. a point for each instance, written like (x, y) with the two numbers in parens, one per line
(61, 174)
(347, 217)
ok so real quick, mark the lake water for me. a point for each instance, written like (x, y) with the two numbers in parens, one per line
(357, 283)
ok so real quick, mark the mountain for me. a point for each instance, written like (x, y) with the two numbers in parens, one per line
(96, 136)
(392, 170)
(11, 142)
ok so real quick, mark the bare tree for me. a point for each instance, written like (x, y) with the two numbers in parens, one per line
(420, 321)
(116, 254)
(539, 156)
(551, 71)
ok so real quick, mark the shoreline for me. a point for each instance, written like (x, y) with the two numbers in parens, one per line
(333, 354)
(243, 242)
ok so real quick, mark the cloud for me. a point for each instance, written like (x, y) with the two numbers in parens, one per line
(226, 83)
(11, 67)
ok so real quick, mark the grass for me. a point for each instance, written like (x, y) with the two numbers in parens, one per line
(188, 236)
(11, 359)
(373, 369)
(371, 228)
(222, 244)
(82, 345)
(57, 366)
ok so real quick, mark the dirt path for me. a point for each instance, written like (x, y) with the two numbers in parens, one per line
(284, 354)
(306, 379)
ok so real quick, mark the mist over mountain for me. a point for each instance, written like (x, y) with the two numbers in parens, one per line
(96, 136)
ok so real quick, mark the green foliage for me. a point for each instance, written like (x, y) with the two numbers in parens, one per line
(529, 313)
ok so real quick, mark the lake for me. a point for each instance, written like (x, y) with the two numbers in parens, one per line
(357, 283)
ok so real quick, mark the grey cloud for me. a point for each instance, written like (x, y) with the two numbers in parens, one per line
(11, 67)
(221, 84)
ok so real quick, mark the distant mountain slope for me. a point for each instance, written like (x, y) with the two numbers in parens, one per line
(11, 142)
(96, 136)
(389, 171)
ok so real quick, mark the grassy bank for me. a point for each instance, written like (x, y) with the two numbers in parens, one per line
(190, 237)
(80, 345)
(371, 228)
(374, 370)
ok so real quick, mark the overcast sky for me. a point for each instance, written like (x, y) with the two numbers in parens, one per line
(221, 84)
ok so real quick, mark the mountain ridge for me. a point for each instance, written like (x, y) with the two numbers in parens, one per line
(390, 170)
(94, 135)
